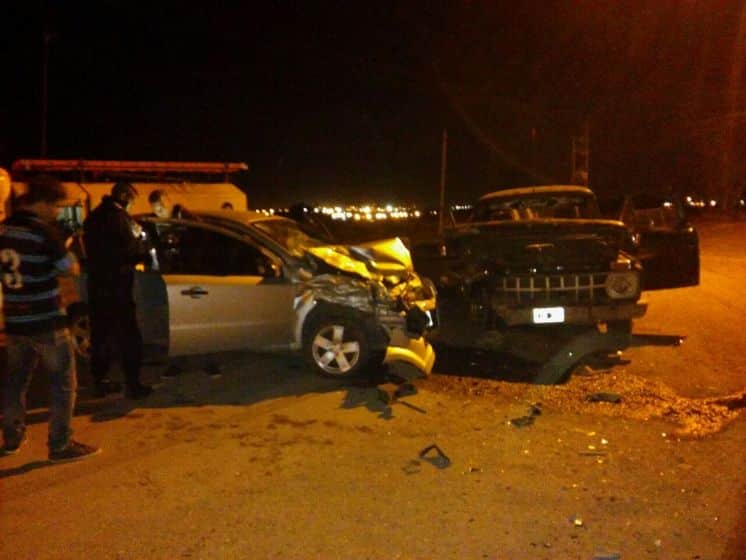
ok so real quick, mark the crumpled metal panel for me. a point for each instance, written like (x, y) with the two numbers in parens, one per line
(342, 290)
(378, 279)
(356, 294)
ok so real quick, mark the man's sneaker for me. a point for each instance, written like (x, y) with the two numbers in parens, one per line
(13, 447)
(138, 391)
(75, 451)
(106, 387)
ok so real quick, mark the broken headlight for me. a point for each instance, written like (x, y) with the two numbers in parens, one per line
(622, 285)
(417, 321)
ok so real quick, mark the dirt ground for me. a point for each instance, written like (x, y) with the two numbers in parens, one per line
(269, 461)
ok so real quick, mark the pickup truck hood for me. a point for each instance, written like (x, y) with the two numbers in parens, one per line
(544, 245)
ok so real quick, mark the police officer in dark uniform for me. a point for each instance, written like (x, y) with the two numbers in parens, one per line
(113, 248)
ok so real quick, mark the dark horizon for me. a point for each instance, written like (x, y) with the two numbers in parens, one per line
(346, 103)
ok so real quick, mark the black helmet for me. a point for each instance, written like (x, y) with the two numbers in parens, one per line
(123, 193)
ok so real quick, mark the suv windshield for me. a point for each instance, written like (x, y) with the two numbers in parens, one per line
(288, 235)
(545, 206)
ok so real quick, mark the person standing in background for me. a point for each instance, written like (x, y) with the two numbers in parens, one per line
(113, 248)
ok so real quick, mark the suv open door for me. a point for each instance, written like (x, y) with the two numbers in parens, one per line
(667, 244)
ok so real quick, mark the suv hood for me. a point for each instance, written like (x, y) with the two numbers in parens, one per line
(383, 261)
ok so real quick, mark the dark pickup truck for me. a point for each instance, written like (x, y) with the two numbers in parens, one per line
(545, 259)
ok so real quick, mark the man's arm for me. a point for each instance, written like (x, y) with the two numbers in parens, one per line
(133, 250)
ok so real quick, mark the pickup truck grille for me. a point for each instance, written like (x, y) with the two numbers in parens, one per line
(563, 289)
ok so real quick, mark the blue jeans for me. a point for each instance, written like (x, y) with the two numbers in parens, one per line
(53, 353)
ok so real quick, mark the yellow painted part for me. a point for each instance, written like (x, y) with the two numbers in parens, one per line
(419, 353)
(340, 261)
(394, 249)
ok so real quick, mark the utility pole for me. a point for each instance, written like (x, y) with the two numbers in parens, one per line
(581, 157)
(533, 149)
(46, 39)
(443, 158)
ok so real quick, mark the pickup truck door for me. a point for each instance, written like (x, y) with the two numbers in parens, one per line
(668, 245)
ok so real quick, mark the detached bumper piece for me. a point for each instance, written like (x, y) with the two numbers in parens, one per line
(415, 351)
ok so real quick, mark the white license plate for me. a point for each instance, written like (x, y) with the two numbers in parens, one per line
(549, 314)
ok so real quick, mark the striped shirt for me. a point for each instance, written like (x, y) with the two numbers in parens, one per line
(32, 255)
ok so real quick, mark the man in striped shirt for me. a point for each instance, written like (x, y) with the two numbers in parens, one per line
(32, 256)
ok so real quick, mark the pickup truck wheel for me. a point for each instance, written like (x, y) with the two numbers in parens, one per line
(80, 331)
(336, 346)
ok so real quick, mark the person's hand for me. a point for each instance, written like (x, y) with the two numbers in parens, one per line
(137, 231)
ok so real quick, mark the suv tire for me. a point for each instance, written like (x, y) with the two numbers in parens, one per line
(337, 345)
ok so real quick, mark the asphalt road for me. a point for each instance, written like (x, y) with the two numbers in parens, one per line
(271, 461)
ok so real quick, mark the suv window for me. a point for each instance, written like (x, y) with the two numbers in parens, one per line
(194, 250)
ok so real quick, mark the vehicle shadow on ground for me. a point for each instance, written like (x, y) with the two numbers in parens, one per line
(249, 378)
(481, 363)
(245, 378)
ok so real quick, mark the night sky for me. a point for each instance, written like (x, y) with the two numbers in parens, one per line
(347, 101)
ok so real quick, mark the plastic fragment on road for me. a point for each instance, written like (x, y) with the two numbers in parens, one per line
(435, 456)
(523, 421)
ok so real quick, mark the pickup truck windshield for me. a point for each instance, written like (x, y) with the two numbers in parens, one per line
(541, 207)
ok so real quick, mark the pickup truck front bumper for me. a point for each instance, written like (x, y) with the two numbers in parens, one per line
(576, 315)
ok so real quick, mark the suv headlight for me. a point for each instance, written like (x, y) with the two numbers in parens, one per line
(622, 285)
